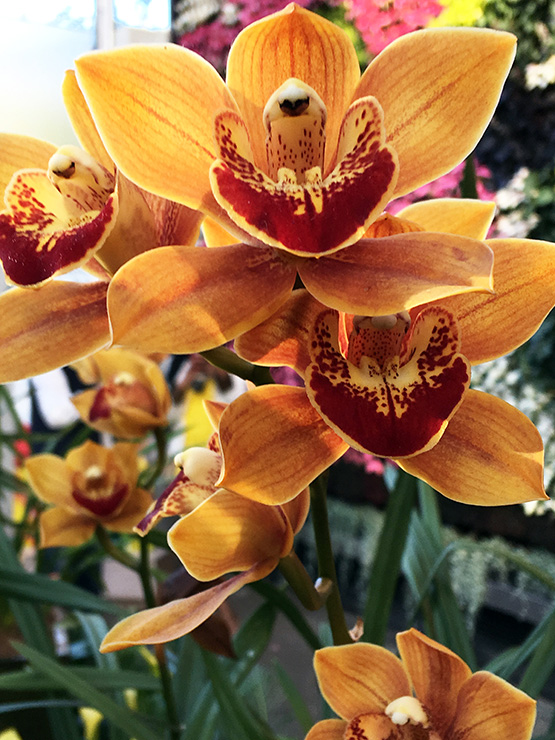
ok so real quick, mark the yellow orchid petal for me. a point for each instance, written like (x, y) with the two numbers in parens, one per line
(462, 216)
(490, 455)
(82, 122)
(50, 478)
(188, 299)
(437, 675)
(173, 620)
(20, 153)
(438, 89)
(328, 729)
(175, 223)
(398, 272)
(276, 424)
(227, 533)
(56, 219)
(283, 338)
(215, 235)
(50, 327)
(524, 285)
(134, 231)
(291, 43)
(154, 107)
(359, 679)
(489, 707)
(60, 527)
(297, 509)
(134, 509)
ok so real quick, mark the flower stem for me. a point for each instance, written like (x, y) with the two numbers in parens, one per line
(326, 563)
(160, 434)
(296, 576)
(227, 360)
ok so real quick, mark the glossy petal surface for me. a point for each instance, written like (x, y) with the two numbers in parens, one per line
(154, 107)
(438, 89)
(291, 43)
(60, 527)
(283, 338)
(173, 620)
(490, 455)
(328, 729)
(20, 153)
(276, 424)
(359, 679)
(524, 279)
(387, 399)
(229, 533)
(50, 327)
(302, 217)
(491, 708)
(437, 675)
(394, 273)
(462, 216)
(188, 299)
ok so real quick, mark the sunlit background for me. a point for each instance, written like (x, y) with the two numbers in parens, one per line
(39, 39)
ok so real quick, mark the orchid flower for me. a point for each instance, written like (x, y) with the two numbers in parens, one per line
(428, 694)
(92, 485)
(66, 208)
(398, 386)
(132, 397)
(218, 532)
(295, 156)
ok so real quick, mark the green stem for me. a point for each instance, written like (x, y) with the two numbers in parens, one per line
(296, 576)
(165, 675)
(121, 556)
(326, 563)
(161, 436)
(227, 360)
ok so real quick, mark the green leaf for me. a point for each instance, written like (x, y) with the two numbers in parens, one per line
(542, 665)
(289, 609)
(32, 680)
(294, 697)
(34, 587)
(254, 635)
(71, 682)
(387, 560)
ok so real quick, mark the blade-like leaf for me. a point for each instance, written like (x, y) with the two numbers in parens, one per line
(31, 680)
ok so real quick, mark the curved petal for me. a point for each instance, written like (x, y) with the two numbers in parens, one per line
(462, 216)
(215, 235)
(283, 338)
(291, 43)
(359, 679)
(173, 620)
(524, 284)
(438, 88)
(43, 233)
(376, 401)
(50, 327)
(314, 217)
(328, 729)
(436, 674)
(490, 455)
(82, 122)
(175, 223)
(274, 444)
(20, 153)
(227, 533)
(490, 707)
(133, 511)
(154, 107)
(61, 527)
(188, 299)
(398, 272)
(297, 509)
(50, 479)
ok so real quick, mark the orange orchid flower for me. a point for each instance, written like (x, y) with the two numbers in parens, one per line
(296, 156)
(133, 396)
(92, 485)
(430, 694)
(218, 532)
(66, 208)
(398, 386)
